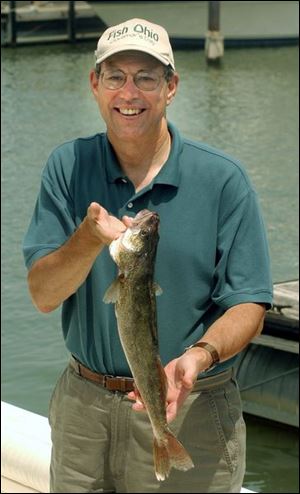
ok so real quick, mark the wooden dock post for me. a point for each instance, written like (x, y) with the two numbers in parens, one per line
(12, 25)
(72, 22)
(214, 41)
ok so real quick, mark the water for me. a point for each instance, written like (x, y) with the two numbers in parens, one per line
(249, 108)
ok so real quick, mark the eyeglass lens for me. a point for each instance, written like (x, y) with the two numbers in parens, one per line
(146, 81)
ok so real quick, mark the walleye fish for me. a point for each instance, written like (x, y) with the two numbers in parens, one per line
(133, 293)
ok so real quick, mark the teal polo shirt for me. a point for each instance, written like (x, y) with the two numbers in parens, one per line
(212, 253)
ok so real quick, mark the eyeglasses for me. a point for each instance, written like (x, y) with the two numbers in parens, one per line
(146, 81)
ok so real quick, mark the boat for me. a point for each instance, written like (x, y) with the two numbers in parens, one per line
(242, 23)
(283, 320)
(268, 369)
(26, 451)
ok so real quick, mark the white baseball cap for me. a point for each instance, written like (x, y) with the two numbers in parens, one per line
(136, 34)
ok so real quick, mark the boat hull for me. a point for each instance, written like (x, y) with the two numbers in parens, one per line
(239, 21)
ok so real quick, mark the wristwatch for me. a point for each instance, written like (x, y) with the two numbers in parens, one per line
(209, 348)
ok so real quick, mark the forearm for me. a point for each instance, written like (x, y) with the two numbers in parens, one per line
(55, 277)
(232, 332)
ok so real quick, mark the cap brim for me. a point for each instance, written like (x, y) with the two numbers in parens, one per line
(108, 54)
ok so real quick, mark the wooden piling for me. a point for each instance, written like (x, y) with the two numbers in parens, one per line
(12, 25)
(72, 23)
(214, 41)
(214, 16)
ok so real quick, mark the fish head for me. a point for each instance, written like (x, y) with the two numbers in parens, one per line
(139, 241)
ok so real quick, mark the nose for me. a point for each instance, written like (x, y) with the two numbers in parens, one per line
(129, 88)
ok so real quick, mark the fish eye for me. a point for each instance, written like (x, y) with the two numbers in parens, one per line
(144, 233)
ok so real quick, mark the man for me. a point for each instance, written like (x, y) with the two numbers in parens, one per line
(212, 263)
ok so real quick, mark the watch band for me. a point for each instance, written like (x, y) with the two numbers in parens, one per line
(211, 349)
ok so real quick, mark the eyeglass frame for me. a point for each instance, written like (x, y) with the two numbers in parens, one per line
(167, 75)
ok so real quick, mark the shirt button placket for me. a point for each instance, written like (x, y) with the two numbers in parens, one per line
(130, 205)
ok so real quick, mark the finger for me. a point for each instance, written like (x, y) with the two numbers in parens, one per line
(131, 395)
(119, 231)
(95, 210)
(188, 381)
(135, 396)
(171, 411)
(127, 221)
(185, 379)
(138, 406)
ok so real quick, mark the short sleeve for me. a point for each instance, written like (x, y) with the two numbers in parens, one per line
(53, 220)
(242, 272)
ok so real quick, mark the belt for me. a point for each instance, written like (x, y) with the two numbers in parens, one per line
(126, 384)
(112, 383)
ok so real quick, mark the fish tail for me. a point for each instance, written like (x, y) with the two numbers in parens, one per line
(162, 464)
(170, 453)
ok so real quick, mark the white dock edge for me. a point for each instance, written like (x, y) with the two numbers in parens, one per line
(25, 451)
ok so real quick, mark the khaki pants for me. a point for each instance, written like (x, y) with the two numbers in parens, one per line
(101, 445)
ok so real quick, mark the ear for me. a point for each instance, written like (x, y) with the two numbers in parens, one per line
(172, 87)
(94, 83)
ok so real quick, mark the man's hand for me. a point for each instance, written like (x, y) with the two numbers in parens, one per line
(104, 226)
(53, 278)
(181, 375)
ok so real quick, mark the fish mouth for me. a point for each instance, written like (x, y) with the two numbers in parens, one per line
(144, 223)
(144, 217)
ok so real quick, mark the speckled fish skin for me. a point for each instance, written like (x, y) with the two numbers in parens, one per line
(134, 295)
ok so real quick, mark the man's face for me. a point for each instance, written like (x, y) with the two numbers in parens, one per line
(131, 112)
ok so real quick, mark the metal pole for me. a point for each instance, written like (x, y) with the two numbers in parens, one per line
(12, 25)
(214, 42)
(72, 23)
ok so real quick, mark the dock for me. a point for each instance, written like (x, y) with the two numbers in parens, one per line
(268, 369)
(242, 24)
(27, 23)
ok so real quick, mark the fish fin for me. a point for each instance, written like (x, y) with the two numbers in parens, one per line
(112, 293)
(157, 289)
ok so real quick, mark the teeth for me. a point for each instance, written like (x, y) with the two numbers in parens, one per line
(130, 111)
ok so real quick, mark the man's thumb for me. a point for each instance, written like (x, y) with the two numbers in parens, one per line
(95, 210)
(188, 380)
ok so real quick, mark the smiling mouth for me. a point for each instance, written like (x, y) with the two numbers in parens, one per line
(130, 112)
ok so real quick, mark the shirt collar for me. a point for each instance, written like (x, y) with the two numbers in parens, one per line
(169, 173)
